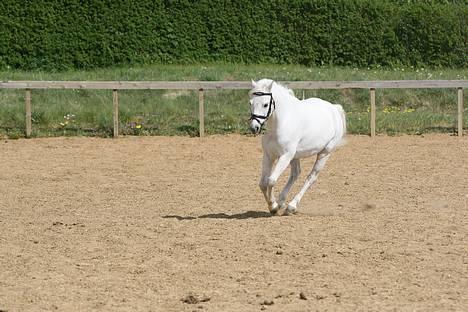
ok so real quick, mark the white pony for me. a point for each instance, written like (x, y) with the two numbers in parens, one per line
(296, 129)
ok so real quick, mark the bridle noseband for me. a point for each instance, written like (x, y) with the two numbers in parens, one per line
(259, 118)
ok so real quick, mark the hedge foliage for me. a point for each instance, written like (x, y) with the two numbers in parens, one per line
(58, 35)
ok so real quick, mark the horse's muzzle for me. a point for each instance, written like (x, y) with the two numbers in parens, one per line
(255, 127)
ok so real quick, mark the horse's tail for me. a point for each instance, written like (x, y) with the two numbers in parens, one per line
(342, 114)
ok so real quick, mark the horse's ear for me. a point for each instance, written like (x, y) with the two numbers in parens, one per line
(254, 84)
(270, 86)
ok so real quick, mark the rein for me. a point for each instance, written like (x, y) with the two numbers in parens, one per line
(258, 118)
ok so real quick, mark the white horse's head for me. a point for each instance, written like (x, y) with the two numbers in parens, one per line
(262, 104)
(264, 95)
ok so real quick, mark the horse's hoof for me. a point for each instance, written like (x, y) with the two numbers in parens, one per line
(274, 208)
(290, 210)
(281, 205)
(274, 212)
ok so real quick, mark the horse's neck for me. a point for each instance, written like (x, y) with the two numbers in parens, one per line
(283, 106)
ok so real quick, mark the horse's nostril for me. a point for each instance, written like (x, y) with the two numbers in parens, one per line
(255, 128)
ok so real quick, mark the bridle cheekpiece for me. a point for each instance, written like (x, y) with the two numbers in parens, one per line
(271, 108)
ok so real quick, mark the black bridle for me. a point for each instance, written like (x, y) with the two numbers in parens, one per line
(271, 108)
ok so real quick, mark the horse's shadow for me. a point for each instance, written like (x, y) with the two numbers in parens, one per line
(238, 216)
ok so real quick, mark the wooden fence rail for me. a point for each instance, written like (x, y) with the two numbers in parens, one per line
(458, 85)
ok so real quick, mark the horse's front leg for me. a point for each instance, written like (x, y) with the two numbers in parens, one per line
(281, 165)
(267, 165)
(295, 172)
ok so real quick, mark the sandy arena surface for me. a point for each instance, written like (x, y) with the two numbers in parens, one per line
(179, 224)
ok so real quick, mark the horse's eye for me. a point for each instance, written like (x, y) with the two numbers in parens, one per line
(265, 105)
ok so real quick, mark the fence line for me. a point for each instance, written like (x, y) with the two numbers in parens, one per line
(459, 85)
(209, 85)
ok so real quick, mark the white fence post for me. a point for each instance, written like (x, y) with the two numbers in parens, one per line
(201, 112)
(115, 101)
(460, 112)
(372, 112)
(28, 113)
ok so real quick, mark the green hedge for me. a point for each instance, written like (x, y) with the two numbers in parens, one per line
(58, 35)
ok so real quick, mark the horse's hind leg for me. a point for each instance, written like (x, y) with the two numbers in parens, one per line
(311, 178)
(295, 172)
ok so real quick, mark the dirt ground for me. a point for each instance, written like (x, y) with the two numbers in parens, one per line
(179, 224)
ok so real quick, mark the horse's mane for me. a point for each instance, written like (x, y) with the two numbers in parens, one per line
(264, 84)
(286, 89)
